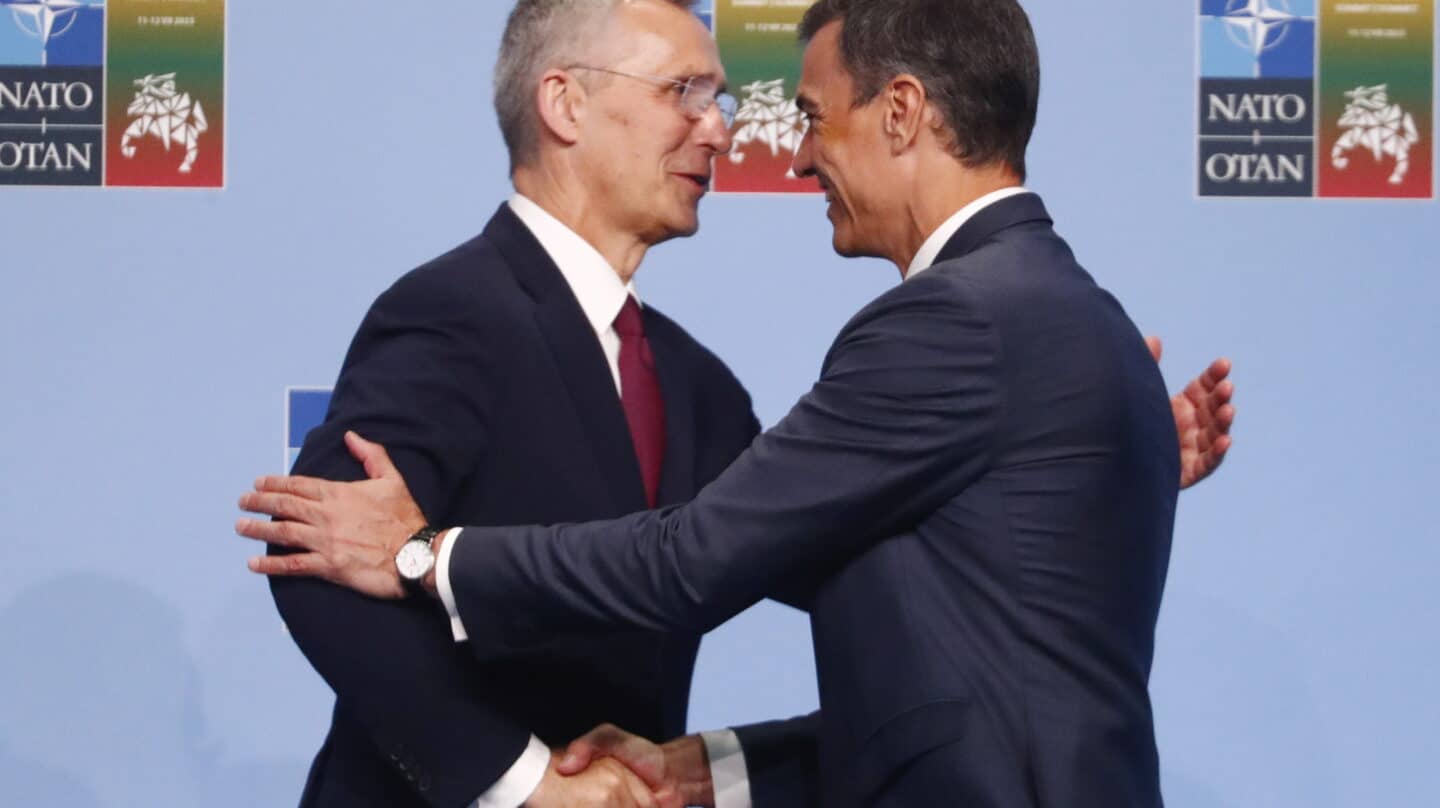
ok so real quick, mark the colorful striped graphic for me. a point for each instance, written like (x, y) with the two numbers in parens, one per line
(165, 85)
(1376, 100)
(758, 45)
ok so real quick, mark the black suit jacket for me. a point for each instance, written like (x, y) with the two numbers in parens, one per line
(984, 481)
(481, 375)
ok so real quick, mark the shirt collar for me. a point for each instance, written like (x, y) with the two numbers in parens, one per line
(933, 245)
(590, 277)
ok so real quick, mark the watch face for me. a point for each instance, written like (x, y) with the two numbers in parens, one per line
(414, 560)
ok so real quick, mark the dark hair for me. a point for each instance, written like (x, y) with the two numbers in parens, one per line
(976, 58)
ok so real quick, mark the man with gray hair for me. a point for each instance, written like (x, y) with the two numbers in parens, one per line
(519, 378)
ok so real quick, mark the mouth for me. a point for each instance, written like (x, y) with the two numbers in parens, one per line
(697, 182)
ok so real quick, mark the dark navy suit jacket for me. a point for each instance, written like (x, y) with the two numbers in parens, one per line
(979, 492)
(481, 375)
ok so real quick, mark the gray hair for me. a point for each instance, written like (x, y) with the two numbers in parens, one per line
(542, 35)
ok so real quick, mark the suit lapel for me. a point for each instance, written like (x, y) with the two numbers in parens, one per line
(1006, 213)
(677, 473)
(578, 356)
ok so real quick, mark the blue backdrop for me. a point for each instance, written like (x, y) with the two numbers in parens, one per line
(147, 339)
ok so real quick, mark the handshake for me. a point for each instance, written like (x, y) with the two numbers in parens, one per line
(609, 767)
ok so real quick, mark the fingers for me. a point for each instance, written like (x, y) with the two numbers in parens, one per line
(628, 784)
(1218, 450)
(1218, 371)
(1215, 415)
(1222, 394)
(306, 487)
(1155, 346)
(300, 564)
(640, 794)
(281, 506)
(1224, 419)
(1222, 445)
(639, 755)
(669, 798)
(285, 534)
(371, 455)
(1213, 428)
(1212, 402)
(1200, 464)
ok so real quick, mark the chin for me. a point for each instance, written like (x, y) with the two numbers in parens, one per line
(681, 228)
(689, 227)
(844, 243)
(685, 222)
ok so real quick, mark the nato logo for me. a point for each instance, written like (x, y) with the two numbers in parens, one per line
(52, 33)
(1257, 38)
(51, 91)
(305, 409)
(1257, 98)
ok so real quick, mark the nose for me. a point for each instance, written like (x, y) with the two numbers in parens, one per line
(712, 131)
(804, 162)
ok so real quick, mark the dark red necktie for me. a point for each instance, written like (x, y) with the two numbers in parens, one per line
(640, 396)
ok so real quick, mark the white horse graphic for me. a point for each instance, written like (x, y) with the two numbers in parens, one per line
(1373, 123)
(171, 116)
(768, 117)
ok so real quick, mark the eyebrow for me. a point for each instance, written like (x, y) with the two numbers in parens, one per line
(691, 73)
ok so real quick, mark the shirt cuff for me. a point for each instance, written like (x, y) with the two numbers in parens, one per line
(442, 583)
(516, 785)
(727, 769)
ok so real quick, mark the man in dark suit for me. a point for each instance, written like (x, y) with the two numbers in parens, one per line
(976, 497)
(518, 379)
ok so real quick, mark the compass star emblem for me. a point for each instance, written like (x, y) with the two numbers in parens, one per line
(47, 19)
(1258, 25)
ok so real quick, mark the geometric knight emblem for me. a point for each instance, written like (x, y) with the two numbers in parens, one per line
(170, 116)
(1372, 123)
(767, 117)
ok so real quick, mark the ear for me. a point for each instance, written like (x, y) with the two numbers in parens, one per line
(906, 111)
(561, 98)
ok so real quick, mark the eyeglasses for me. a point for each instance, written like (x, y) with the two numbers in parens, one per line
(697, 93)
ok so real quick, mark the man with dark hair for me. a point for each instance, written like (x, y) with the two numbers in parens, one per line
(975, 501)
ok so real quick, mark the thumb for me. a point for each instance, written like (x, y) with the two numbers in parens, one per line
(371, 455)
(576, 757)
(1153, 343)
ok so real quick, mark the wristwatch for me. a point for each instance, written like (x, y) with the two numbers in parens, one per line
(416, 558)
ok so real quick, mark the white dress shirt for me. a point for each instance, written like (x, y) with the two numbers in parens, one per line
(601, 295)
(937, 240)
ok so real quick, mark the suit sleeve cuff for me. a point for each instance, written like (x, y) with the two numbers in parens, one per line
(516, 785)
(727, 769)
(442, 583)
